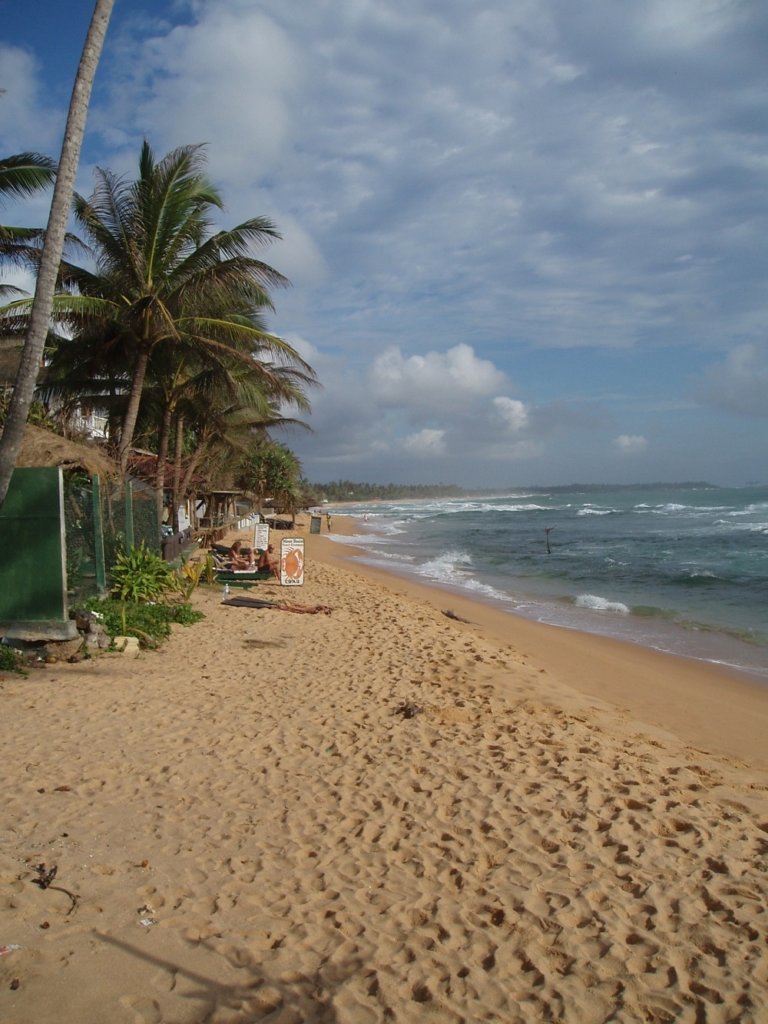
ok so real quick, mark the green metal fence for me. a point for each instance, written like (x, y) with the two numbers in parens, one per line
(59, 535)
(33, 598)
(102, 519)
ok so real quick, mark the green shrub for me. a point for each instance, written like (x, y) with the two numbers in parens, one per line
(141, 575)
(151, 623)
(11, 660)
(188, 577)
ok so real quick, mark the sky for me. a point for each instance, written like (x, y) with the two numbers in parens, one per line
(526, 239)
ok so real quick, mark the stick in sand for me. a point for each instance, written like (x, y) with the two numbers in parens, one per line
(283, 606)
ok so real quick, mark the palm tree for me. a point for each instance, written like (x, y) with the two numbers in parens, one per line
(23, 174)
(221, 429)
(269, 467)
(164, 280)
(20, 176)
(24, 389)
(191, 387)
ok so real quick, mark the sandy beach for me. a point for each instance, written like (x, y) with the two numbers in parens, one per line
(382, 813)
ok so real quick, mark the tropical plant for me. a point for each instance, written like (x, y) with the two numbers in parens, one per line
(209, 570)
(20, 176)
(11, 660)
(53, 247)
(188, 577)
(169, 295)
(140, 575)
(23, 174)
(151, 623)
(270, 468)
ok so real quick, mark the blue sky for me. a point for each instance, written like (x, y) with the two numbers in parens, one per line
(526, 238)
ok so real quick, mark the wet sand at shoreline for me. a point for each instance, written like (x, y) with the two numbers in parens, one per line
(383, 814)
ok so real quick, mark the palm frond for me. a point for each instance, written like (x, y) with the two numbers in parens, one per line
(25, 173)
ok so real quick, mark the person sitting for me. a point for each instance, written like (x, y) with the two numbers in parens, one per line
(241, 558)
(268, 561)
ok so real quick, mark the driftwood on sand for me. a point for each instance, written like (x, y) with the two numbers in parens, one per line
(452, 615)
(282, 606)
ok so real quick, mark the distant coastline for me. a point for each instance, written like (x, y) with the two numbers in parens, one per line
(348, 492)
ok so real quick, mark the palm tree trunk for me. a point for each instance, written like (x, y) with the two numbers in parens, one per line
(178, 452)
(53, 247)
(132, 409)
(162, 461)
(191, 467)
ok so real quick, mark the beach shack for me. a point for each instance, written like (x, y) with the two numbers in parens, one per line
(218, 512)
(33, 535)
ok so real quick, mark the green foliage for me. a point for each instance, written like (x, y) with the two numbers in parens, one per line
(185, 614)
(209, 569)
(141, 575)
(11, 660)
(188, 577)
(151, 623)
(348, 490)
(270, 468)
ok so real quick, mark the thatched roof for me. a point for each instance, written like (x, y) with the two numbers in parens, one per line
(42, 448)
(10, 357)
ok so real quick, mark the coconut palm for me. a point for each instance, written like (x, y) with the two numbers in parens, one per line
(23, 174)
(222, 428)
(165, 280)
(20, 176)
(53, 246)
(185, 388)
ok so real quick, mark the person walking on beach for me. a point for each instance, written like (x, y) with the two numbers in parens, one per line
(328, 520)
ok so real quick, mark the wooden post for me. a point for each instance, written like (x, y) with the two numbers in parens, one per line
(129, 515)
(98, 536)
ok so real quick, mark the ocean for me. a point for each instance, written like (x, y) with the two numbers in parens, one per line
(682, 569)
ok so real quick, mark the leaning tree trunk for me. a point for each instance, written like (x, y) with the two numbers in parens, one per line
(191, 467)
(53, 247)
(132, 409)
(162, 461)
(178, 452)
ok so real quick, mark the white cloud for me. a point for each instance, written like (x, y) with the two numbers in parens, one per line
(425, 443)
(738, 384)
(437, 380)
(512, 412)
(295, 255)
(631, 444)
(464, 189)
(28, 119)
(227, 80)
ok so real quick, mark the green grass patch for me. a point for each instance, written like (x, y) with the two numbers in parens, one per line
(11, 660)
(151, 623)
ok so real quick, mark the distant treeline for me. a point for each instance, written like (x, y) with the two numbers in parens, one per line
(654, 486)
(350, 490)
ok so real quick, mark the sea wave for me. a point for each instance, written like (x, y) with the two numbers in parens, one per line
(671, 506)
(600, 604)
(446, 567)
(698, 577)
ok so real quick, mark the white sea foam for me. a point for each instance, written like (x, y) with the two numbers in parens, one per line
(600, 604)
(590, 510)
(447, 567)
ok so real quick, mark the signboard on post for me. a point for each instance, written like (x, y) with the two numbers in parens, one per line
(260, 536)
(292, 561)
